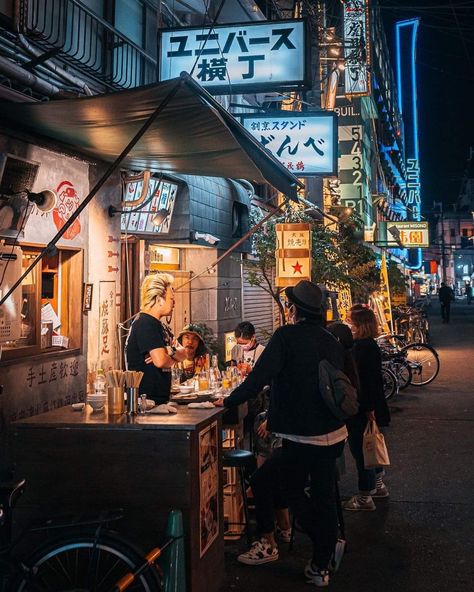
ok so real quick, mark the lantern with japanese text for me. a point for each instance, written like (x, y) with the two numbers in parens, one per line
(293, 254)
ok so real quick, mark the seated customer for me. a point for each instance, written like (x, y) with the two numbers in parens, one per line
(248, 350)
(192, 340)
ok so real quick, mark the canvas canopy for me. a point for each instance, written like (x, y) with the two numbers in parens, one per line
(193, 134)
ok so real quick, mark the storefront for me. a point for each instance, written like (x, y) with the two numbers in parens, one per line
(204, 217)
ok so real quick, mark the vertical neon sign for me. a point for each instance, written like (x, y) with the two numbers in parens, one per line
(405, 39)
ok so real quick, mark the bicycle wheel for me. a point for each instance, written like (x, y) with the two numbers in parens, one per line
(390, 384)
(419, 335)
(424, 363)
(402, 371)
(85, 563)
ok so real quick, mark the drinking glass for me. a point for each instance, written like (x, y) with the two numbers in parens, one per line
(175, 378)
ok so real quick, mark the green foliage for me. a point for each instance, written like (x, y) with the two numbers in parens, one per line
(360, 260)
(396, 279)
(339, 258)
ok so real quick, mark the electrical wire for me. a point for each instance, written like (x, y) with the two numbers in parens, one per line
(468, 55)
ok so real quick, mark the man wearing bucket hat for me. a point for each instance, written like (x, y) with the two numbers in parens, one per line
(312, 437)
(192, 339)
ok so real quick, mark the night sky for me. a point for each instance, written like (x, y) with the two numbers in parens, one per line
(445, 60)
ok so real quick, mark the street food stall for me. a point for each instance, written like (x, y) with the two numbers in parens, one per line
(147, 464)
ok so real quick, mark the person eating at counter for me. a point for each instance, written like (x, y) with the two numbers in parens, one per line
(150, 345)
(192, 340)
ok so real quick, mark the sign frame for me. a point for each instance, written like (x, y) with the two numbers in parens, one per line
(238, 87)
(365, 68)
(384, 237)
(301, 114)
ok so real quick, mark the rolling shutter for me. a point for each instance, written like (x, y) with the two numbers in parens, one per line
(259, 310)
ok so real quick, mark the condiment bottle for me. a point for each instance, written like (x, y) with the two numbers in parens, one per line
(100, 383)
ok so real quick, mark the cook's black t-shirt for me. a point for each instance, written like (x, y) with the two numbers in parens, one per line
(146, 334)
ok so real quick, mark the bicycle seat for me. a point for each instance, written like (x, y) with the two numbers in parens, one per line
(10, 492)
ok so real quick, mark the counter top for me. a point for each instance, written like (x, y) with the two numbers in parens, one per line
(67, 418)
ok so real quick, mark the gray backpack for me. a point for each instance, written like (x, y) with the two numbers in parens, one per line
(337, 391)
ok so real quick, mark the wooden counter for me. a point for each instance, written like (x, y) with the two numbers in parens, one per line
(76, 461)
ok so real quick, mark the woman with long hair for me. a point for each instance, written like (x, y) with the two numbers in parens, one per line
(372, 404)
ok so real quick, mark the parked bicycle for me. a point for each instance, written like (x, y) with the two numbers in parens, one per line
(414, 364)
(412, 323)
(79, 555)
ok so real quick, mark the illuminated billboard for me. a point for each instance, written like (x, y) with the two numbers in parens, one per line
(238, 57)
(304, 142)
(410, 235)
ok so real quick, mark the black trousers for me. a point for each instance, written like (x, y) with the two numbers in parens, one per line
(267, 492)
(445, 310)
(316, 514)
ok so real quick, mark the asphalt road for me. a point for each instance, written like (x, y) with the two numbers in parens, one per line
(421, 540)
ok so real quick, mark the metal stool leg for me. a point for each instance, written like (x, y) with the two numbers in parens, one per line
(246, 507)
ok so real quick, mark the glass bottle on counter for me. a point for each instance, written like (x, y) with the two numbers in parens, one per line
(204, 380)
(215, 374)
(100, 383)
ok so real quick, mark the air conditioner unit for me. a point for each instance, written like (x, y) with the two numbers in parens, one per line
(10, 311)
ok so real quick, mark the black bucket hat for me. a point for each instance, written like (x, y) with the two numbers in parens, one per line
(307, 296)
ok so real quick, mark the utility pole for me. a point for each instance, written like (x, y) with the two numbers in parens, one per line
(443, 253)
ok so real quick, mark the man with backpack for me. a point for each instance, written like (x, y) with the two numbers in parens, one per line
(313, 437)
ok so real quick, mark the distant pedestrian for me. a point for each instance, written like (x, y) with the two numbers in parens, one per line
(468, 293)
(446, 296)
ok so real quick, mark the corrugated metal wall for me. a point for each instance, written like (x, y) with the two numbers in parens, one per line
(258, 309)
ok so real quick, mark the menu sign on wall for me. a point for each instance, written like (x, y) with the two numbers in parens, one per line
(230, 58)
(163, 197)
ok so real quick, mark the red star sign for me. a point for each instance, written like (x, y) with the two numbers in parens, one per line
(297, 267)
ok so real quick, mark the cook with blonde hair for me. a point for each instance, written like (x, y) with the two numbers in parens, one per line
(150, 345)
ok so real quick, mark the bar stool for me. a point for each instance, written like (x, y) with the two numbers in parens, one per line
(235, 458)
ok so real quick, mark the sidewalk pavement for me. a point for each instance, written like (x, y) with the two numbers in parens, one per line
(421, 540)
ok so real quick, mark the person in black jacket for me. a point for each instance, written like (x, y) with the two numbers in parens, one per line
(445, 295)
(372, 405)
(312, 438)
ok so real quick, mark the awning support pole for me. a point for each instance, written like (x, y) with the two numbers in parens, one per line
(113, 167)
(245, 237)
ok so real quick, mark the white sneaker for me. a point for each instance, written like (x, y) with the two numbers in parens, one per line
(283, 535)
(260, 552)
(316, 576)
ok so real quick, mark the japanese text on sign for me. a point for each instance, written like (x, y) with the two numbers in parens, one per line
(409, 234)
(253, 53)
(356, 47)
(413, 187)
(305, 143)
